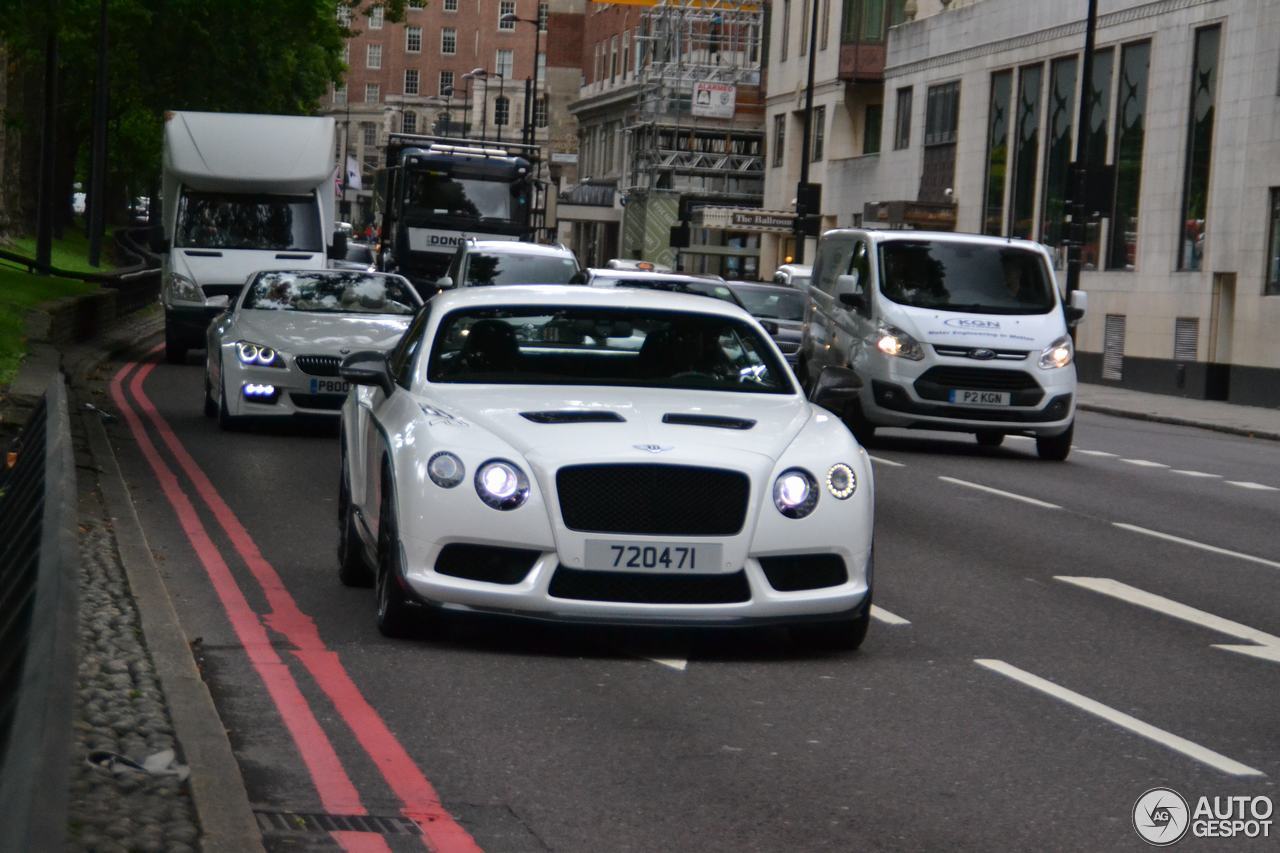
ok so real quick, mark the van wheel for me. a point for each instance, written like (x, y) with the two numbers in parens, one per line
(989, 438)
(863, 430)
(1055, 448)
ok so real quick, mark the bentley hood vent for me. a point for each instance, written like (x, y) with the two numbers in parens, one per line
(573, 416)
(719, 421)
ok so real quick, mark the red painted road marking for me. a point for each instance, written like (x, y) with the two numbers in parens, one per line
(337, 793)
(360, 842)
(420, 799)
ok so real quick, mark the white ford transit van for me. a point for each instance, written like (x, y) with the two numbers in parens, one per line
(946, 331)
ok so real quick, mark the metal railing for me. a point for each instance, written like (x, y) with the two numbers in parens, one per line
(38, 628)
(136, 286)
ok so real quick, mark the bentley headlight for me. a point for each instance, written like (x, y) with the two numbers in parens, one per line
(841, 481)
(257, 354)
(795, 493)
(1057, 354)
(891, 340)
(182, 289)
(445, 469)
(501, 484)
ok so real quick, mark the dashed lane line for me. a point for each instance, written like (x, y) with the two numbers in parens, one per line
(1145, 463)
(1181, 745)
(880, 614)
(1194, 544)
(888, 462)
(1094, 452)
(1000, 492)
(1257, 487)
(1196, 474)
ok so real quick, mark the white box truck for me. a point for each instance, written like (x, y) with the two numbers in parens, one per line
(242, 193)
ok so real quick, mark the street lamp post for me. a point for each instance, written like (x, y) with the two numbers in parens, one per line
(803, 195)
(479, 74)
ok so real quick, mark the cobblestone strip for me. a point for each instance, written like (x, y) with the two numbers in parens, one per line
(121, 707)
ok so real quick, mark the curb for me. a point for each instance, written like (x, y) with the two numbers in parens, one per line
(1177, 421)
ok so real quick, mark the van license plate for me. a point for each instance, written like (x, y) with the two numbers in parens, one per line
(980, 398)
(329, 386)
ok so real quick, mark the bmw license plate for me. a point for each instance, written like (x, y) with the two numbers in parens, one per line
(653, 557)
(329, 386)
(980, 398)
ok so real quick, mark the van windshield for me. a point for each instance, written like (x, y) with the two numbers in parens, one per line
(248, 221)
(971, 277)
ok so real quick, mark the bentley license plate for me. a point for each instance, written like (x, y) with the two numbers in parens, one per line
(980, 398)
(653, 557)
(329, 386)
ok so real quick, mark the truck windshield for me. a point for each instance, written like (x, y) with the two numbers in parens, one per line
(243, 221)
(972, 277)
(443, 195)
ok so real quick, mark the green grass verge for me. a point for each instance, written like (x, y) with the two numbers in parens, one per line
(19, 293)
(70, 253)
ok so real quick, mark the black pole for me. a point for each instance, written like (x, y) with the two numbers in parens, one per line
(1077, 212)
(802, 214)
(526, 132)
(501, 82)
(98, 161)
(48, 144)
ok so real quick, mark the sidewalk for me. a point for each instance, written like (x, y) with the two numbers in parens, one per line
(1252, 421)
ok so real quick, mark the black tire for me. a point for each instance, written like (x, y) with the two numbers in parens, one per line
(990, 438)
(863, 430)
(353, 570)
(226, 420)
(174, 350)
(395, 617)
(210, 407)
(843, 636)
(1055, 448)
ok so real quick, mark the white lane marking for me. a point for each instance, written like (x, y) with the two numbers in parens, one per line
(1003, 494)
(1021, 438)
(1166, 739)
(1258, 487)
(1093, 452)
(888, 462)
(1271, 653)
(1145, 463)
(878, 612)
(1192, 543)
(675, 663)
(1195, 473)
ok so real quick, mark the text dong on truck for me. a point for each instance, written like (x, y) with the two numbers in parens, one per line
(435, 191)
(242, 193)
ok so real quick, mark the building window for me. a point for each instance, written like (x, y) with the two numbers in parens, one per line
(372, 93)
(451, 5)
(501, 110)
(779, 138)
(540, 112)
(340, 94)
(626, 52)
(804, 28)
(819, 133)
(542, 67)
(872, 125)
(786, 29)
(417, 4)
(544, 14)
(826, 24)
(503, 61)
(411, 81)
(448, 41)
(506, 7)
(943, 114)
(375, 18)
(413, 39)
(373, 56)
(864, 20)
(1271, 278)
(369, 133)
(1195, 184)
(997, 152)
(409, 122)
(446, 83)
(1131, 115)
(613, 58)
(1096, 131)
(1057, 154)
(1026, 153)
(344, 15)
(902, 120)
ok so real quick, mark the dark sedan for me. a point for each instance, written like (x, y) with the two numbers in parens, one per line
(778, 308)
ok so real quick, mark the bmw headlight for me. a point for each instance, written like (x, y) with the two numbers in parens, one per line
(841, 481)
(1057, 354)
(182, 289)
(891, 340)
(501, 484)
(795, 493)
(445, 469)
(259, 355)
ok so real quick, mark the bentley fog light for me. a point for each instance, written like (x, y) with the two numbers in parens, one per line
(795, 493)
(841, 481)
(1057, 354)
(445, 470)
(501, 484)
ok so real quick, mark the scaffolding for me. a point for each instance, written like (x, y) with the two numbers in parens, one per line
(684, 43)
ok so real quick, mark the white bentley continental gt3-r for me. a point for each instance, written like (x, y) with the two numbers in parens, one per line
(602, 455)
(276, 350)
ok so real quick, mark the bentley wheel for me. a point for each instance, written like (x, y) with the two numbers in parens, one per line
(395, 618)
(353, 570)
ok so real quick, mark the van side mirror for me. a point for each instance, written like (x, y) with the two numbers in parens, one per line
(367, 367)
(834, 387)
(156, 240)
(1079, 305)
(338, 249)
(849, 291)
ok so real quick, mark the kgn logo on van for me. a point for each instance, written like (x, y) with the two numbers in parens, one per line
(971, 323)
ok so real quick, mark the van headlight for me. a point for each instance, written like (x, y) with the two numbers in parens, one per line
(501, 484)
(891, 340)
(1057, 354)
(258, 355)
(795, 493)
(182, 289)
